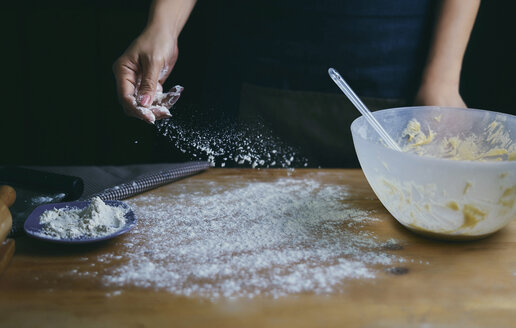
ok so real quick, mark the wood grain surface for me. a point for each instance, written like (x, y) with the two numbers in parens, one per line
(446, 284)
(6, 253)
(7, 198)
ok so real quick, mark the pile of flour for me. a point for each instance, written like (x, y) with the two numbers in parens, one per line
(96, 220)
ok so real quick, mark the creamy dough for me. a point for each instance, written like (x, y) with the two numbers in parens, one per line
(494, 144)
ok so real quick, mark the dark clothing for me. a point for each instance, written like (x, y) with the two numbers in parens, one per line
(316, 122)
(378, 46)
(270, 58)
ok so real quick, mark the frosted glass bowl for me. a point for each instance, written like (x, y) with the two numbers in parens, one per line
(441, 197)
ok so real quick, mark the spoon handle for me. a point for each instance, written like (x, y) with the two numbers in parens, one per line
(362, 108)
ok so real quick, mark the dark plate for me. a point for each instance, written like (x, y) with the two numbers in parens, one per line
(33, 227)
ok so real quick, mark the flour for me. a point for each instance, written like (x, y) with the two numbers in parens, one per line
(221, 142)
(46, 199)
(229, 143)
(161, 103)
(96, 220)
(246, 239)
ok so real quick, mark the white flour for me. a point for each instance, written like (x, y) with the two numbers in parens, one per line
(246, 239)
(161, 103)
(226, 143)
(222, 142)
(96, 220)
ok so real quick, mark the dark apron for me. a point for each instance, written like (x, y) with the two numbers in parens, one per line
(316, 123)
(269, 58)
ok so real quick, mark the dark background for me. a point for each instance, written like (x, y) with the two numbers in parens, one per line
(58, 93)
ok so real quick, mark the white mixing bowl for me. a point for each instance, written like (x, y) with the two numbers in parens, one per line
(442, 197)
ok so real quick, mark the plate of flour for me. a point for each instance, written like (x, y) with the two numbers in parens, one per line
(80, 222)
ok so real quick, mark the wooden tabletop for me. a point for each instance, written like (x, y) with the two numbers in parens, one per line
(446, 284)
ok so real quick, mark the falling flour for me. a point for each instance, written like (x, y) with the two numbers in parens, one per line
(222, 142)
(96, 220)
(228, 143)
(246, 239)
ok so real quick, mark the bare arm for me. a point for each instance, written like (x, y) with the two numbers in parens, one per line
(148, 61)
(441, 76)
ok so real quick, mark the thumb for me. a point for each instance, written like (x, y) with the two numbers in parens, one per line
(149, 82)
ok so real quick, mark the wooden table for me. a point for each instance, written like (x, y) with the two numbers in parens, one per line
(466, 283)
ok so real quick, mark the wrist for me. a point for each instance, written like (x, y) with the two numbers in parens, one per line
(169, 16)
(162, 27)
(442, 68)
(441, 79)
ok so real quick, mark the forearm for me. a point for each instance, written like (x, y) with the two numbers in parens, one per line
(169, 15)
(451, 36)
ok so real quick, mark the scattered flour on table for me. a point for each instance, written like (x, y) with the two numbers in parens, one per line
(259, 238)
(96, 220)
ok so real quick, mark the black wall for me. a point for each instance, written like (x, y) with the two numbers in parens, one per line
(58, 94)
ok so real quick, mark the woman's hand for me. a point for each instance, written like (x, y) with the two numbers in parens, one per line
(143, 68)
(439, 94)
(141, 71)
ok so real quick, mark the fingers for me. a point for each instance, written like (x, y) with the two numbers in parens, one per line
(160, 112)
(125, 75)
(172, 96)
(146, 114)
(161, 107)
(140, 90)
(127, 81)
(150, 75)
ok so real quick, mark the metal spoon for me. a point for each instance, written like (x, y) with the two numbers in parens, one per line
(362, 108)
